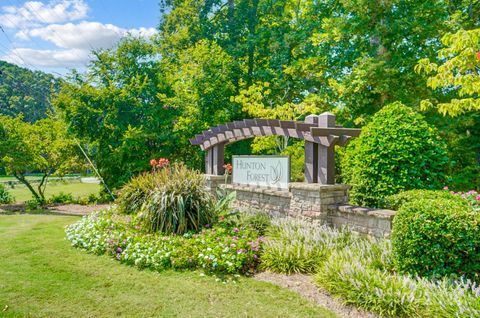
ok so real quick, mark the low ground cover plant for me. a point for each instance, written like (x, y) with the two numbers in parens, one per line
(297, 246)
(363, 272)
(220, 248)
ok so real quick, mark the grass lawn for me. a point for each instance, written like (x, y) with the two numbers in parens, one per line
(42, 276)
(77, 189)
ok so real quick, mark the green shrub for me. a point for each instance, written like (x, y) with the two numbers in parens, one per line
(396, 201)
(296, 246)
(5, 196)
(437, 238)
(179, 201)
(62, 198)
(134, 194)
(396, 151)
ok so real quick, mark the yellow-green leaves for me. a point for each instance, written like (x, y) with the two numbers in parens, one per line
(457, 71)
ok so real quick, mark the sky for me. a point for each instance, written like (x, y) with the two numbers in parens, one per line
(56, 36)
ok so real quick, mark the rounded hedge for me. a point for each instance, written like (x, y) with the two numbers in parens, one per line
(398, 150)
(439, 237)
(396, 201)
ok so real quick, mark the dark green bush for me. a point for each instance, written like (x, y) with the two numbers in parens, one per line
(396, 201)
(436, 238)
(5, 196)
(398, 150)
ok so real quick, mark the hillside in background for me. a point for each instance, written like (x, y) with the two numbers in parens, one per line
(25, 91)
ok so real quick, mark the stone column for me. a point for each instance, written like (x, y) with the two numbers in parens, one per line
(312, 200)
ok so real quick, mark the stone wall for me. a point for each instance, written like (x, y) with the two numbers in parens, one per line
(372, 222)
(257, 199)
(324, 203)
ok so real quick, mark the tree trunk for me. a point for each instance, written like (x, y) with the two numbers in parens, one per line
(23, 180)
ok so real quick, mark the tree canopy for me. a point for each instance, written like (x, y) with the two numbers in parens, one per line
(219, 60)
(25, 92)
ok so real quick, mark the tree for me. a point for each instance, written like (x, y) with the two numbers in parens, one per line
(457, 72)
(25, 92)
(116, 108)
(41, 147)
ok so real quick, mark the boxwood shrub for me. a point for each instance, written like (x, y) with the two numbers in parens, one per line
(397, 151)
(437, 237)
(396, 201)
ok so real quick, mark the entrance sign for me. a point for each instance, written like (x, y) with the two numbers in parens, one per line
(320, 132)
(265, 171)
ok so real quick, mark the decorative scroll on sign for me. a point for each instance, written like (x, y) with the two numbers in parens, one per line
(266, 171)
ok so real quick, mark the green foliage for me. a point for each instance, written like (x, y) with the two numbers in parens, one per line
(25, 92)
(458, 71)
(221, 249)
(5, 196)
(296, 246)
(396, 151)
(136, 192)
(362, 274)
(437, 237)
(358, 274)
(396, 201)
(180, 202)
(42, 146)
(62, 197)
(173, 199)
(115, 108)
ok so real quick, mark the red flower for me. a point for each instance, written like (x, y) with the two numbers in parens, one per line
(478, 56)
(163, 162)
(153, 163)
(228, 168)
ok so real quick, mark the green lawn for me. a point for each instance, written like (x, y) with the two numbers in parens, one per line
(77, 189)
(42, 276)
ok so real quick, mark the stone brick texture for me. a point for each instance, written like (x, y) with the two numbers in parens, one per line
(326, 204)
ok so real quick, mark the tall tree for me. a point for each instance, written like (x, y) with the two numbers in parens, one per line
(25, 92)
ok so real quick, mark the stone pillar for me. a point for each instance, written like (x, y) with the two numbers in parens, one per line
(213, 182)
(312, 200)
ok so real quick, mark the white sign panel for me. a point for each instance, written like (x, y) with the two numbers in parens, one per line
(265, 171)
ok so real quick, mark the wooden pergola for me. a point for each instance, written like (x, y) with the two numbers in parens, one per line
(320, 133)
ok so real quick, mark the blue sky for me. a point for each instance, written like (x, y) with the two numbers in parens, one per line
(57, 35)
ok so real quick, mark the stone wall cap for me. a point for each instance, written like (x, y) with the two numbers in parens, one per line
(386, 214)
(214, 177)
(318, 186)
(254, 189)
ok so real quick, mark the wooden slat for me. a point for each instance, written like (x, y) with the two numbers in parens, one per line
(319, 131)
